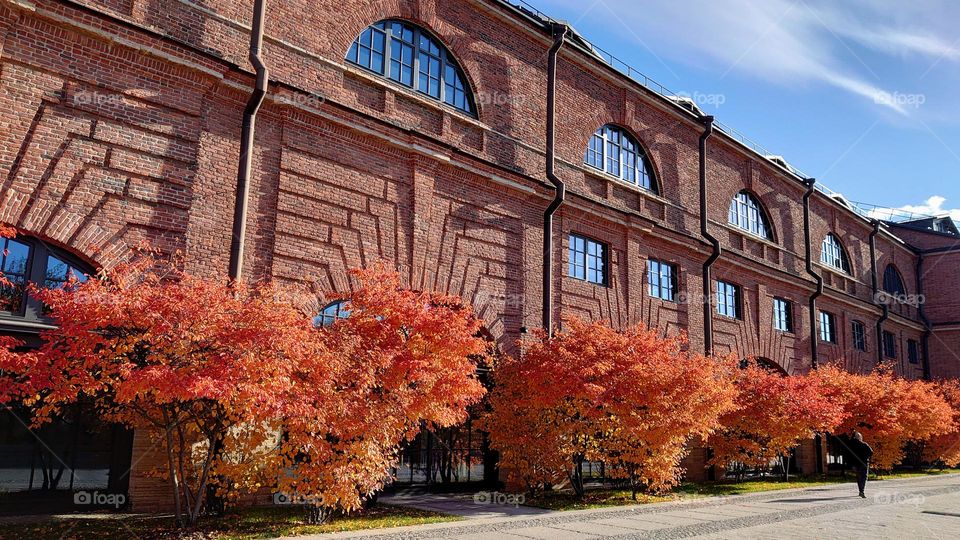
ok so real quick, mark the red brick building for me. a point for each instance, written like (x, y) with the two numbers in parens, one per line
(421, 140)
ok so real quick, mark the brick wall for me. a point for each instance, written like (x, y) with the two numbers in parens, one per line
(121, 126)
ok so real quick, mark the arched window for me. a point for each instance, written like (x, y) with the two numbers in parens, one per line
(893, 282)
(833, 255)
(747, 214)
(334, 312)
(410, 56)
(24, 260)
(617, 153)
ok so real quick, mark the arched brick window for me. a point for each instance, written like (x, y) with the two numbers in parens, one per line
(893, 281)
(29, 260)
(411, 56)
(332, 313)
(615, 152)
(746, 213)
(833, 255)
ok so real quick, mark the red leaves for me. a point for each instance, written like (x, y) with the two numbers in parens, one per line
(888, 410)
(402, 359)
(222, 371)
(630, 399)
(774, 413)
(945, 447)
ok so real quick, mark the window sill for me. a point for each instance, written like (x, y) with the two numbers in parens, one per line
(411, 93)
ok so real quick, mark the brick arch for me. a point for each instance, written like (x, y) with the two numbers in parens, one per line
(732, 191)
(96, 250)
(448, 35)
(654, 168)
(765, 363)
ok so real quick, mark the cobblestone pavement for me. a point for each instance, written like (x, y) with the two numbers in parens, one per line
(927, 507)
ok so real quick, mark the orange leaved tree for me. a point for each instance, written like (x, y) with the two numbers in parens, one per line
(890, 411)
(945, 447)
(201, 364)
(774, 413)
(630, 399)
(239, 386)
(400, 361)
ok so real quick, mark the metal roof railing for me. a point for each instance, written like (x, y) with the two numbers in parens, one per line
(867, 211)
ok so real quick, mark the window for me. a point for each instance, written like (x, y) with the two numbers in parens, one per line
(747, 214)
(913, 351)
(833, 255)
(24, 260)
(617, 153)
(859, 331)
(332, 313)
(889, 344)
(588, 260)
(893, 282)
(662, 278)
(410, 56)
(15, 258)
(828, 327)
(60, 272)
(782, 315)
(728, 300)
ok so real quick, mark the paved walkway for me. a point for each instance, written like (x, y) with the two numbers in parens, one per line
(926, 507)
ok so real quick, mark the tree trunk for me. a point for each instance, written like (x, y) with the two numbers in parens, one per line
(174, 477)
(318, 515)
(576, 477)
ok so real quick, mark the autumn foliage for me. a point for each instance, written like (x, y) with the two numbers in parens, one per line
(241, 390)
(774, 414)
(401, 360)
(888, 410)
(945, 447)
(630, 399)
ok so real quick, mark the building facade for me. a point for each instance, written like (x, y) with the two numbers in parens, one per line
(413, 131)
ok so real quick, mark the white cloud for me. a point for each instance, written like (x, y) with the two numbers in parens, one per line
(933, 207)
(790, 42)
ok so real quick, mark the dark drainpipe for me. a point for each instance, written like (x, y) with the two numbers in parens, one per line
(876, 290)
(246, 141)
(928, 328)
(559, 36)
(707, 122)
(814, 338)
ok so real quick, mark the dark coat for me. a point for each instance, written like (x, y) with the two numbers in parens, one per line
(861, 452)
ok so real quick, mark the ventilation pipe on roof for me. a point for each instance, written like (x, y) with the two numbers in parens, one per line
(927, 326)
(814, 339)
(246, 141)
(707, 122)
(559, 35)
(876, 289)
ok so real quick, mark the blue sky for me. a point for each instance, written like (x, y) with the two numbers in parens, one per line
(863, 95)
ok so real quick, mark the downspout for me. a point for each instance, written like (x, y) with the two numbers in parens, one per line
(876, 290)
(814, 338)
(927, 326)
(246, 141)
(707, 122)
(559, 36)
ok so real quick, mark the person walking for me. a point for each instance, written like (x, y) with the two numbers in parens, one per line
(861, 453)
